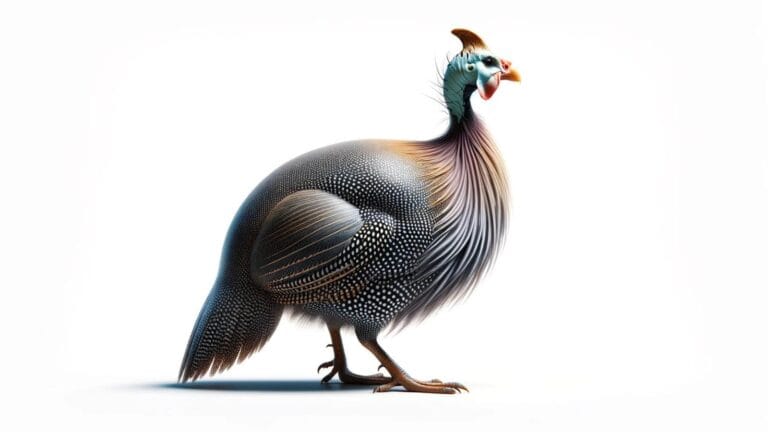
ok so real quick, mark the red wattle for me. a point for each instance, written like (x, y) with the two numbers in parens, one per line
(489, 87)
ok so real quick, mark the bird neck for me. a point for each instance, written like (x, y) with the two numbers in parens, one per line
(468, 195)
(457, 92)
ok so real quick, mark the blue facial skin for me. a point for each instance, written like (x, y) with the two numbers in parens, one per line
(475, 68)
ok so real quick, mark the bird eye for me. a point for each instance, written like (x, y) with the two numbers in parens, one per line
(470, 67)
(488, 61)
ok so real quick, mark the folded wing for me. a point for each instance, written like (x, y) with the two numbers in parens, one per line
(314, 246)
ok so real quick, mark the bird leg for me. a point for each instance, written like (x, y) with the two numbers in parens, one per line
(339, 365)
(400, 378)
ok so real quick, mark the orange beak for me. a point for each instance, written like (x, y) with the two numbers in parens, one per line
(508, 73)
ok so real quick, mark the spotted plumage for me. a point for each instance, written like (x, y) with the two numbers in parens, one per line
(363, 234)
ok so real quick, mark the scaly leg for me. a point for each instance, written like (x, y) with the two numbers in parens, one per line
(339, 364)
(400, 378)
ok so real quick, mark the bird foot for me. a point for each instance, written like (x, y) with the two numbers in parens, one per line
(414, 385)
(348, 377)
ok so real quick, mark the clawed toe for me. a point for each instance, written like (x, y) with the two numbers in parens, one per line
(329, 376)
(385, 387)
(418, 387)
(458, 386)
(324, 365)
(328, 364)
(431, 386)
(348, 377)
(455, 385)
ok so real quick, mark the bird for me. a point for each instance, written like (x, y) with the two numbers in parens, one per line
(364, 235)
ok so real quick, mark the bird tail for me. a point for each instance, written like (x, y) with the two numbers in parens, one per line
(237, 319)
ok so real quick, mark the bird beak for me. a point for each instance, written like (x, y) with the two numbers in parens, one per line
(508, 73)
(511, 75)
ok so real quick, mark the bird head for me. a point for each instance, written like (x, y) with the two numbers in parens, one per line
(476, 67)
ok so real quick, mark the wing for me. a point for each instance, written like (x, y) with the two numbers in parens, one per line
(314, 246)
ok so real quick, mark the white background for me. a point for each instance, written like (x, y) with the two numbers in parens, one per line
(631, 294)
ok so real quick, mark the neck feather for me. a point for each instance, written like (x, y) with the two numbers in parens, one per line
(469, 196)
(457, 93)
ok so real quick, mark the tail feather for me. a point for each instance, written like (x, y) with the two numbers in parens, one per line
(237, 319)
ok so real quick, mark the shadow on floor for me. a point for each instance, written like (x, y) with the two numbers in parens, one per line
(263, 386)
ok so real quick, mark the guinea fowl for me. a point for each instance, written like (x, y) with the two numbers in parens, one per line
(364, 234)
